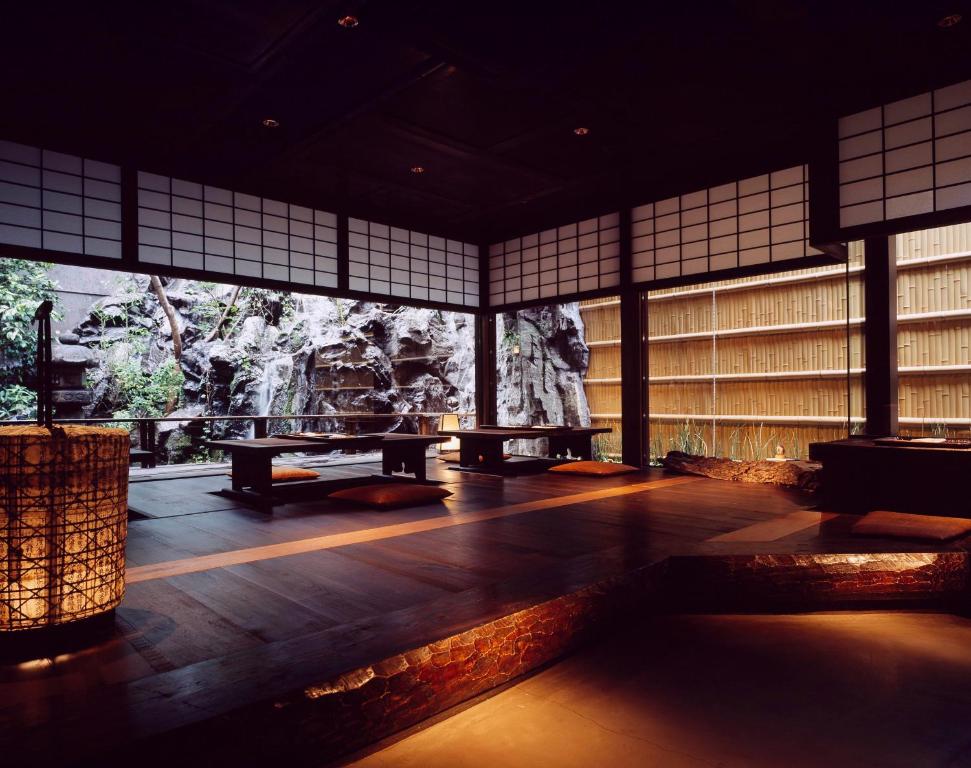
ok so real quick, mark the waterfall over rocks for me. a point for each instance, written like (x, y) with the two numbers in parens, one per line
(275, 354)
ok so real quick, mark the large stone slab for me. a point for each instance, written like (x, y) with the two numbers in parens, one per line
(802, 475)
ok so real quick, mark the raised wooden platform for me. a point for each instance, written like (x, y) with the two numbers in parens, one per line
(295, 638)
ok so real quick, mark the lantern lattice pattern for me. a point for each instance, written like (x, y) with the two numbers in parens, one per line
(63, 523)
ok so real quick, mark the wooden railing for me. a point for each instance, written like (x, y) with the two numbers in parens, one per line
(427, 422)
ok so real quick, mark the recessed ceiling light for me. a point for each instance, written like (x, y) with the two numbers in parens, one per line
(269, 122)
(581, 131)
(951, 20)
(348, 22)
(417, 169)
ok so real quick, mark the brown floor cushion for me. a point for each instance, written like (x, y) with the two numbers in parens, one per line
(289, 474)
(593, 468)
(391, 495)
(900, 525)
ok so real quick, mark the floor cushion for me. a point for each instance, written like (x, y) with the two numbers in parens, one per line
(901, 525)
(289, 474)
(391, 495)
(593, 468)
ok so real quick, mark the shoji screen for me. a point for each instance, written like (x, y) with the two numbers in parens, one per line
(59, 202)
(403, 263)
(759, 220)
(907, 158)
(189, 225)
(574, 258)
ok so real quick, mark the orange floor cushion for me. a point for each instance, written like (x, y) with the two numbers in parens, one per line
(593, 468)
(391, 495)
(901, 525)
(289, 474)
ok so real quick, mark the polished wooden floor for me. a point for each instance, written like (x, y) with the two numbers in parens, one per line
(227, 604)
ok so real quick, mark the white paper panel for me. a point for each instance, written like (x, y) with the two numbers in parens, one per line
(907, 158)
(577, 257)
(59, 202)
(193, 226)
(760, 220)
(403, 263)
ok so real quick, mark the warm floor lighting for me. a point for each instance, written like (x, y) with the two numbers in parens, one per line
(449, 422)
(63, 524)
(581, 131)
(416, 169)
(951, 20)
(269, 122)
(348, 22)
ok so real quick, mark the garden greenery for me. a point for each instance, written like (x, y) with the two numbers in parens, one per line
(23, 286)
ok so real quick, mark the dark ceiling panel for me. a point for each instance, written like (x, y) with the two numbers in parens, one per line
(485, 96)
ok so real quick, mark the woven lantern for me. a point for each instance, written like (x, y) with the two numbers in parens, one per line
(63, 523)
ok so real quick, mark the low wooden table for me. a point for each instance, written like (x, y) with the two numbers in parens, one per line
(252, 461)
(480, 450)
(861, 474)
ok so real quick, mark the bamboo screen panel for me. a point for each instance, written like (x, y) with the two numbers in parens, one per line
(934, 330)
(59, 202)
(194, 226)
(601, 323)
(907, 158)
(760, 220)
(739, 367)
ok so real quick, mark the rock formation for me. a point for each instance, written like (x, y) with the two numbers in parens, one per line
(277, 354)
(541, 360)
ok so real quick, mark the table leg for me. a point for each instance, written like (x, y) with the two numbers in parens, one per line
(255, 472)
(480, 453)
(403, 458)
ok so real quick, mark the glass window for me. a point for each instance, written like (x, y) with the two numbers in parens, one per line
(560, 364)
(934, 331)
(751, 367)
(266, 359)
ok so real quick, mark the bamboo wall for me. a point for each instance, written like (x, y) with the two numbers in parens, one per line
(601, 320)
(934, 277)
(739, 366)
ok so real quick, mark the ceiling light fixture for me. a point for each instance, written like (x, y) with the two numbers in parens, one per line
(269, 122)
(581, 131)
(348, 22)
(417, 169)
(951, 20)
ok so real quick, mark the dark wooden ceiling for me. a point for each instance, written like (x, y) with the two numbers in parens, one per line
(484, 96)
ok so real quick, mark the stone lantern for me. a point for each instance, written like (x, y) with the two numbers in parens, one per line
(69, 361)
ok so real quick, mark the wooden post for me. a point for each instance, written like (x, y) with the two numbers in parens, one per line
(633, 357)
(880, 343)
(485, 368)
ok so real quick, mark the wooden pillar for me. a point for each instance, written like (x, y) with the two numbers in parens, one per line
(485, 368)
(880, 292)
(343, 253)
(633, 371)
(633, 356)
